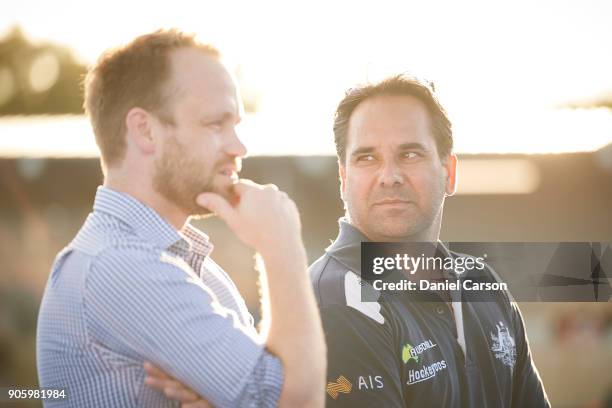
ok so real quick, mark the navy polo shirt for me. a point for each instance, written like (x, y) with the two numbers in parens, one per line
(397, 352)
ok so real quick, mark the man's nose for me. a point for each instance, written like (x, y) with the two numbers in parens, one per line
(391, 174)
(234, 146)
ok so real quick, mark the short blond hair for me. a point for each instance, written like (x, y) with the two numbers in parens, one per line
(135, 74)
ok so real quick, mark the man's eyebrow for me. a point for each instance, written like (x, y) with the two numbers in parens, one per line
(362, 150)
(413, 146)
(403, 146)
(221, 116)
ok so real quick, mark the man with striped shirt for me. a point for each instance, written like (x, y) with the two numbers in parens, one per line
(137, 283)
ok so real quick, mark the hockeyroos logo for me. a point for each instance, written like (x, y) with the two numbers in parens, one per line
(412, 353)
(426, 372)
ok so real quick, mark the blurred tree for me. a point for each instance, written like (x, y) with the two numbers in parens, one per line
(602, 100)
(38, 78)
(44, 78)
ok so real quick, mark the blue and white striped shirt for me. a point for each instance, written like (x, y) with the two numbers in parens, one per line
(131, 288)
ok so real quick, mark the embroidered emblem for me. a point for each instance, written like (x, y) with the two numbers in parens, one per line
(504, 347)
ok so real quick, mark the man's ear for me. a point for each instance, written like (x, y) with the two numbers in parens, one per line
(139, 123)
(450, 166)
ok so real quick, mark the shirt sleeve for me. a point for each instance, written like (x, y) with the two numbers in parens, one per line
(363, 368)
(155, 307)
(528, 389)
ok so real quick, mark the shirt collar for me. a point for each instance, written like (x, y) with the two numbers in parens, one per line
(198, 241)
(346, 249)
(148, 224)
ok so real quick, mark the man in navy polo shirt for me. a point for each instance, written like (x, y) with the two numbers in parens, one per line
(394, 146)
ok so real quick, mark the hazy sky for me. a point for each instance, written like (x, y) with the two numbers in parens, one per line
(499, 67)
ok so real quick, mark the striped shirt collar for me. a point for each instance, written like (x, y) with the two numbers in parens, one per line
(148, 224)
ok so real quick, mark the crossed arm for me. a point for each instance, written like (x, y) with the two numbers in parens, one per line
(267, 220)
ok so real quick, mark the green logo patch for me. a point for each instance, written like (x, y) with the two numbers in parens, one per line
(408, 353)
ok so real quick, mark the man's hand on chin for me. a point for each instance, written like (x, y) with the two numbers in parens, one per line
(173, 389)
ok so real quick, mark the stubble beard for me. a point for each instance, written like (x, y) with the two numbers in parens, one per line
(416, 226)
(180, 178)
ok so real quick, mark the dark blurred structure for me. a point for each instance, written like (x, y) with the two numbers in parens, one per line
(44, 201)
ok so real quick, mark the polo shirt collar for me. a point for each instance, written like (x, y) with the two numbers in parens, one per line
(346, 249)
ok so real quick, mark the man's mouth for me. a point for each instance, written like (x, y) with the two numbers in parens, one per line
(392, 202)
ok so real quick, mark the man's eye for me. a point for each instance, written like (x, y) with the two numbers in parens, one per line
(411, 155)
(214, 125)
(365, 157)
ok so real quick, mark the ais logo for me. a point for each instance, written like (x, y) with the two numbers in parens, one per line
(370, 382)
(342, 385)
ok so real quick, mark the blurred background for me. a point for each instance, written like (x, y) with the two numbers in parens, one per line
(528, 86)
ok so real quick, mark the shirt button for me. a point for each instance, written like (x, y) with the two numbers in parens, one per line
(439, 310)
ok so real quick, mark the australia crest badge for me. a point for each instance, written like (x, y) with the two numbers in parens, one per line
(503, 345)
